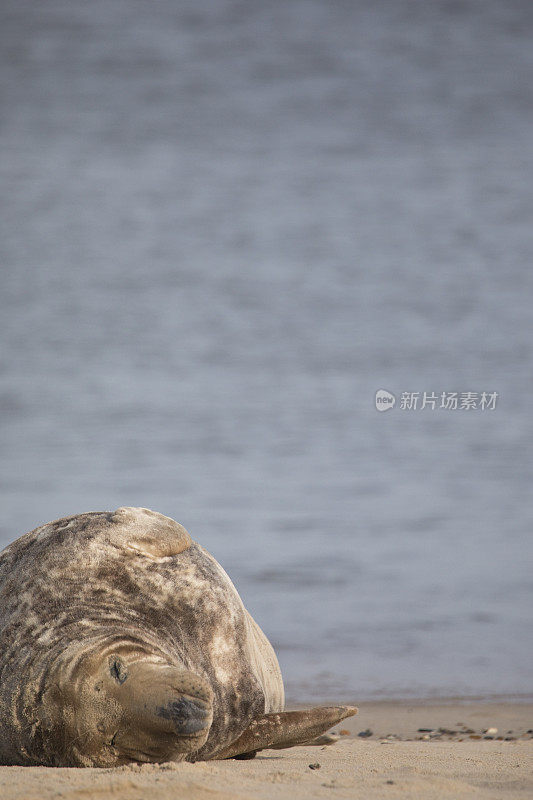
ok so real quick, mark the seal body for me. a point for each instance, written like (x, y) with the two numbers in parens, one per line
(123, 640)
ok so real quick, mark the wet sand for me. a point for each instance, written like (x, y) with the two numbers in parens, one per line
(453, 757)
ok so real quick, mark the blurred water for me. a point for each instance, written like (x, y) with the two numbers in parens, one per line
(224, 226)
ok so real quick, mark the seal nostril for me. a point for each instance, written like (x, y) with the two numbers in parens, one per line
(118, 670)
(188, 715)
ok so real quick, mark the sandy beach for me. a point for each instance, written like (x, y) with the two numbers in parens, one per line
(407, 750)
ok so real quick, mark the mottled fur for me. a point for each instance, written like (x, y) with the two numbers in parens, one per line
(95, 595)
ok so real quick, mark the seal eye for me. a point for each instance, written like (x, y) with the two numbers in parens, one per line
(118, 670)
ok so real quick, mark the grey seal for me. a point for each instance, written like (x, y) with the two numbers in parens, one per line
(123, 640)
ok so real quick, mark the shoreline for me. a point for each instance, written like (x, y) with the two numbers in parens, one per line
(418, 700)
(422, 720)
(393, 761)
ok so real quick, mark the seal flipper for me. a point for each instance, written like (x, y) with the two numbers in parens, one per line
(285, 729)
(140, 531)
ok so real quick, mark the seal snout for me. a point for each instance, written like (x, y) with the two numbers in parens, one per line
(189, 715)
(165, 711)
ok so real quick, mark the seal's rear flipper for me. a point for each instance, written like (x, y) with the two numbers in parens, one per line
(286, 729)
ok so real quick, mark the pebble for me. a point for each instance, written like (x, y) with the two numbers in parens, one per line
(491, 731)
(365, 734)
(344, 732)
(426, 730)
(316, 765)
